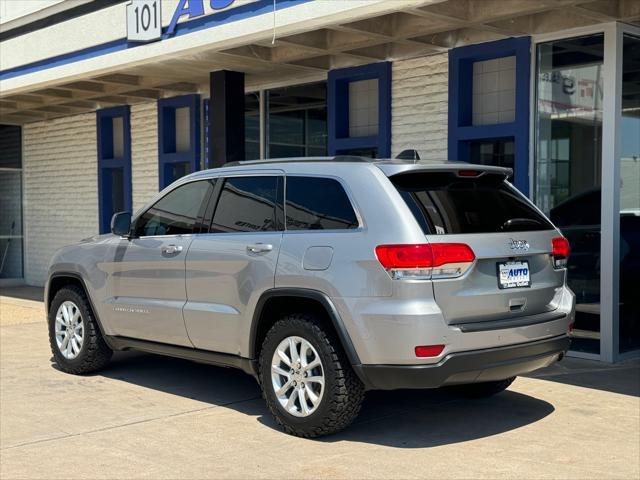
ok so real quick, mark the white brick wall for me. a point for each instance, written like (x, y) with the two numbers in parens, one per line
(60, 188)
(419, 106)
(144, 152)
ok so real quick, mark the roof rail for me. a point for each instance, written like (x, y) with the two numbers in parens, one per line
(337, 158)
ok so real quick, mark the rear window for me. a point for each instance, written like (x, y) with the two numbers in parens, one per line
(443, 203)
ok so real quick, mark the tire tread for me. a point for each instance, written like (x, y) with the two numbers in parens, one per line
(97, 354)
(348, 392)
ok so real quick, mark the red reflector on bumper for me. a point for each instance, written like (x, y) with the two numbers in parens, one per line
(429, 350)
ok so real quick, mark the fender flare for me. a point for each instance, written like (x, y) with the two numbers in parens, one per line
(78, 277)
(323, 299)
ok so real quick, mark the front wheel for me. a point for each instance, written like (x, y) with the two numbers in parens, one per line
(306, 380)
(76, 342)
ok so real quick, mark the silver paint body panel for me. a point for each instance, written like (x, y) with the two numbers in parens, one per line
(206, 295)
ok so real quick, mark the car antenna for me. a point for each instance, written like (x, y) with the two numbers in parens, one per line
(409, 154)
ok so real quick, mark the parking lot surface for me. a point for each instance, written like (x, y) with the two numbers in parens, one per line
(153, 417)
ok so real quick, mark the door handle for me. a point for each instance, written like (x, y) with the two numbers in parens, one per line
(171, 249)
(260, 247)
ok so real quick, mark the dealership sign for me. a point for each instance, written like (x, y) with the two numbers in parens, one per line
(144, 17)
(194, 9)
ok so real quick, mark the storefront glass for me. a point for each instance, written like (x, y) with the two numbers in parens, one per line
(297, 121)
(630, 196)
(252, 126)
(569, 107)
(10, 202)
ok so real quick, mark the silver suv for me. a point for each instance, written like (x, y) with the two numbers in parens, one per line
(324, 278)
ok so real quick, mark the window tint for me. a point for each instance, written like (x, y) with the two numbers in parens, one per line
(247, 204)
(177, 212)
(318, 204)
(443, 203)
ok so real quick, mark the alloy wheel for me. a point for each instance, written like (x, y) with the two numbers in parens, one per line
(297, 376)
(69, 330)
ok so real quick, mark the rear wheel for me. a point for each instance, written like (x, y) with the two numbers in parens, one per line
(306, 380)
(483, 389)
(76, 341)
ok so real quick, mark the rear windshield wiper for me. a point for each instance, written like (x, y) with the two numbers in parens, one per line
(519, 223)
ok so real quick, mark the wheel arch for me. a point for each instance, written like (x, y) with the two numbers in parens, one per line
(58, 281)
(278, 301)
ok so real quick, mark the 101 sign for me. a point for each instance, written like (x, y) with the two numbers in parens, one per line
(144, 20)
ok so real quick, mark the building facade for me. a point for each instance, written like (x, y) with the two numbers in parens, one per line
(103, 103)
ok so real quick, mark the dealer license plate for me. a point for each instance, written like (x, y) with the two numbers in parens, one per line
(513, 275)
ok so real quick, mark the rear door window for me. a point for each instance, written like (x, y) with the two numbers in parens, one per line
(444, 203)
(247, 204)
(315, 203)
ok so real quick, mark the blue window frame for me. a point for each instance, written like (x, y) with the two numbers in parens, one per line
(462, 133)
(114, 163)
(339, 141)
(175, 158)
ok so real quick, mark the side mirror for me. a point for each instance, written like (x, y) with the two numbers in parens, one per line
(121, 224)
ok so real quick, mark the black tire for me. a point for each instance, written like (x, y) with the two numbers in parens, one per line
(343, 391)
(484, 389)
(94, 354)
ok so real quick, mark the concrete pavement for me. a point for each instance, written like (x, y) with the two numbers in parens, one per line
(154, 417)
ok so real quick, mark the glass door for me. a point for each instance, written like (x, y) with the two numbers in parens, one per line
(629, 301)
(568, 163)
(10, 202)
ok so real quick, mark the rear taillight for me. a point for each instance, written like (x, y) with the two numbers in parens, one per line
(425, 261)
(560, 250)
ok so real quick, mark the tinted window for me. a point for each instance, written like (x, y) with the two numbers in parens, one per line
(176, 213)
(444, 204)
(246, 204)
(318, 204)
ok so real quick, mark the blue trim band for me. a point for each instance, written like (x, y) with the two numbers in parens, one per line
(461, 130)
(107, 164)
(338, 81)
(231, 15)
(167, 154)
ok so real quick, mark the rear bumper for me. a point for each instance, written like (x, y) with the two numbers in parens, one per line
(466, 367)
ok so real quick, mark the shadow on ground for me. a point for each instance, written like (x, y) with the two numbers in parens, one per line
(622, 378)
(35, 294)
(402, 419)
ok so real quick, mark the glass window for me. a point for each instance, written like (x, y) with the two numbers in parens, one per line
(10, 201)
(630, 196)
(363, 108)
(252, 126)
(297, 121)
(176, 213)
(494, 91)
(569, 86)
(443, 203)
(10, 223)
(115, 189)
(318, 204)
(10, 146)
(247, 204)
(500, 153)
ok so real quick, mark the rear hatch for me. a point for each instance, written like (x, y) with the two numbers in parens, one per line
(513, 274)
